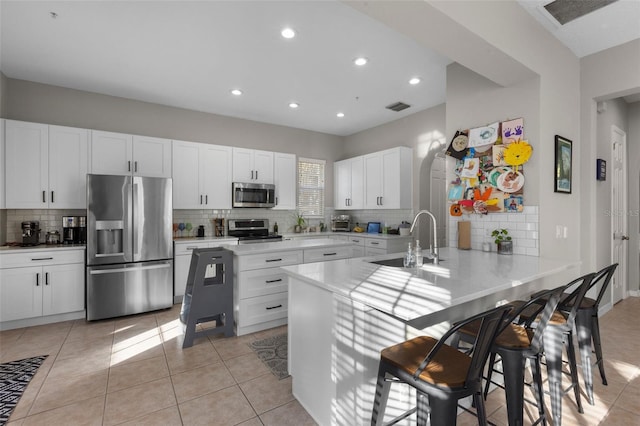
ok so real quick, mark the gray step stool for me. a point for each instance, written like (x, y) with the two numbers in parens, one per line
(209, 294)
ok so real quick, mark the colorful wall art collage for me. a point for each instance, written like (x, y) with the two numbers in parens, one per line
(489, 173)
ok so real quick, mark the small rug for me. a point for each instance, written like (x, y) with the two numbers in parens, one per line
(14, 378)
(273, 352)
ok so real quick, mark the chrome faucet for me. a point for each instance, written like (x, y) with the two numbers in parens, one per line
(434, 251)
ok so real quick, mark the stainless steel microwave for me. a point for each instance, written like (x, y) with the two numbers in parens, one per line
(254, 195)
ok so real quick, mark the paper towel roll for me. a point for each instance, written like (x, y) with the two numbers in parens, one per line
(464, 235)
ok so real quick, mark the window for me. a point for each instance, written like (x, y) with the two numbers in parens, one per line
(311, 187)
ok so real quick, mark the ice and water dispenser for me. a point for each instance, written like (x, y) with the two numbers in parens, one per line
(109, 237)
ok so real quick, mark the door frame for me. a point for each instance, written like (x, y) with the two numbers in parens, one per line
(619, 212)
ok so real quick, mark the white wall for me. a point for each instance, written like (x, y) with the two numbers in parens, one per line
(508, 52)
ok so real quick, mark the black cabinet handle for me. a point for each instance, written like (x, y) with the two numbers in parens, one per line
(46, 278)
(374, 243)
(200, 199)
(273, 260)
(206, 199)
(256, 175)
(38, 280)
(273, 307)
(135, 166)
(52, 200)
(129, 166)
(329, 254)
(251, 174)
(44, 196)
(41, 258)
(273, 281)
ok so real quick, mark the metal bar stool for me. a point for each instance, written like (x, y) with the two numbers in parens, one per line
(443, 376)
(588, 326)
(515, 343)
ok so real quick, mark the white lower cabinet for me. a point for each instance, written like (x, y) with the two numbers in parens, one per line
(260, 290)
(182, 252)
(41, 283)
(261, 287)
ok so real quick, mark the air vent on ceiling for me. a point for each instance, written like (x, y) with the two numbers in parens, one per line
(567, 10)
(398, 106)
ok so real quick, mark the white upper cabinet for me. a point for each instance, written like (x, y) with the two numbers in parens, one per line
(285, 178)
(27, 165)
(252, 166)
(349, 183)
(111, 153)
(68, 167)
(388, 180)
(123, 154)
(151, 157)
(201, 176)
(46, 166)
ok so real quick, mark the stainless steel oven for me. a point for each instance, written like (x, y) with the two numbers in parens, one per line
(254, 195)
(251, 231)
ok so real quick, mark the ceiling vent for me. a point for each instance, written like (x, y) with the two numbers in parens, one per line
(567, 10)
(398, 106)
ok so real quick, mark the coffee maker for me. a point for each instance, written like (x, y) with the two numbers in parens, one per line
(30, 233)
(74, 229)
(69, 229)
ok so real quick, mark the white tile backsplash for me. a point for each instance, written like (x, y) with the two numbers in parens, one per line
(523, 228)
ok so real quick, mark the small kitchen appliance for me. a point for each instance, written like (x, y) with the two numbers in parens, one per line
(52, 238)
(341, 223)
(69, 229)
(30, 233)
(253, 195)
(249, 231)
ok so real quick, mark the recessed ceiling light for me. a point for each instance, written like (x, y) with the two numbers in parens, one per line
(236, 92)
(294, 105)
(360, 61)
(288, 33)
(414, 80)
(340, 114)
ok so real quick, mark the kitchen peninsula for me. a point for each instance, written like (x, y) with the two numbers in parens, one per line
(343, 312)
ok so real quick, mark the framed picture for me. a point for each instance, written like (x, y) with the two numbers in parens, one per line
(563, 166)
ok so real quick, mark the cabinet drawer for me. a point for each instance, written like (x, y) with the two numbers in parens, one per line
(41, 258)
(260, 282)
(376, 243)
(326, 254)
(257, 310)
(373, 251)
(359, 241)
(269, 260)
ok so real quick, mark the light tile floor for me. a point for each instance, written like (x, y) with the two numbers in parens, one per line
(133, 370)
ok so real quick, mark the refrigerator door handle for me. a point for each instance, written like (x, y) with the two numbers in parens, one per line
(136, 228)
(128, 219)
(132, 269)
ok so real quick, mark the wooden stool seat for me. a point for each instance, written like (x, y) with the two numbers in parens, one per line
(408, 355)
(513, 336)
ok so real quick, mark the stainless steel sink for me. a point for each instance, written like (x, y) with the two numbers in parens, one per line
(398, 262)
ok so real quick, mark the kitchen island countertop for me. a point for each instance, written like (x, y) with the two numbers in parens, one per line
(410, 294)
(300, 244)
(40, 247)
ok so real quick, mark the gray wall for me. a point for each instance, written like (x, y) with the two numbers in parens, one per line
(29, 101)
(606, 76)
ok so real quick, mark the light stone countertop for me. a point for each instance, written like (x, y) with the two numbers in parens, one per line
(300, 244)
(463, 276)
(41, 247)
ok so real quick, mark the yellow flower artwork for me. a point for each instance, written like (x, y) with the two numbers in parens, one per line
(517, 153)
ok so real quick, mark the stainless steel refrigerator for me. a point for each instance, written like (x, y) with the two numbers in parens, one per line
(129, 245)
